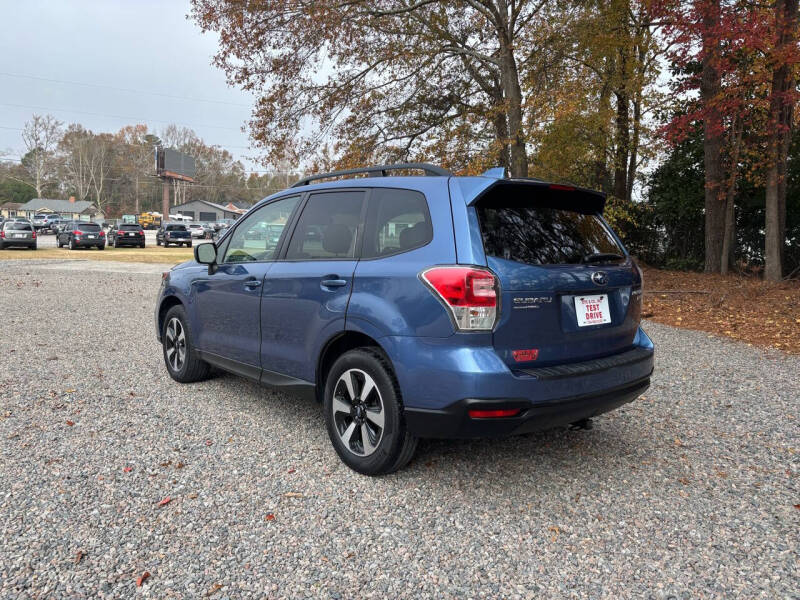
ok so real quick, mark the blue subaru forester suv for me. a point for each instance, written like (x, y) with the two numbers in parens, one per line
(417, 306)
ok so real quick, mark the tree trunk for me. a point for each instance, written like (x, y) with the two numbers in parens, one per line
(729, 236)
(513, 100)
(710, 89)
(623, 133)
(780, 112)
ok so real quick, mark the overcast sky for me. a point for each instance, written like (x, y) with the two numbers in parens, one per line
(109, 63)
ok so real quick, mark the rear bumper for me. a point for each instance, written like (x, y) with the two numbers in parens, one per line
(84, 243)
(442, 379)
(11, 243)
(129, 241)
(455, 422)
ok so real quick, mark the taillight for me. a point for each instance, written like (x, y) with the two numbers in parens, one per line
(76, 232)
(2, 234)
(470, 293)
(102, 234)
(33, 235)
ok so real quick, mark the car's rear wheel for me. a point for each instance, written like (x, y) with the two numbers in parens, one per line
(72, 244)
(364, 413)
(181, 359)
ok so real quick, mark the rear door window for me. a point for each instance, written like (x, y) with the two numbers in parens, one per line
(328, 228)
(398, 221)
(543, 235)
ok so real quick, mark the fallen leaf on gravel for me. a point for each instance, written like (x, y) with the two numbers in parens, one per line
(180, 465)
(214, 589)
(797, 506)
(293, 495)
(132, 394)
(70, 423)
(166, 464)
(192, 496)
(79, 555)
(209, 442)
(127, 469)
(70, 391)
(165, 501)
(52, 358)
(684, 480)
(269, 517)
(290, 471)
(677, 442)
(141, 579)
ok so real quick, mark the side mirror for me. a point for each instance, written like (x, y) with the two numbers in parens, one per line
(206, 254)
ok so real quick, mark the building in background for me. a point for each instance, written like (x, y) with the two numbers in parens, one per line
(78, 210)
(202, 211)
(9, 209)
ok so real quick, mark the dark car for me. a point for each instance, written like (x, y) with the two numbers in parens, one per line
(17, 233)
(81, 234)
(126, 235)
(173, 233)
(418, 307)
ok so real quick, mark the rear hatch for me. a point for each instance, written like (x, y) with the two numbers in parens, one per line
(18, 231)
(569, 291)
(89, 231)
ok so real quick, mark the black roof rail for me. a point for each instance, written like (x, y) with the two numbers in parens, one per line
(378, 171)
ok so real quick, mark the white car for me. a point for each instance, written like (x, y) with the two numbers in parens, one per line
(197, 230)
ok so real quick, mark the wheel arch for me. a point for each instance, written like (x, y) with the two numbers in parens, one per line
(334, 348)
(167, 303)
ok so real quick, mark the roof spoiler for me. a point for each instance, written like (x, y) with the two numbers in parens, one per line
(525, 190)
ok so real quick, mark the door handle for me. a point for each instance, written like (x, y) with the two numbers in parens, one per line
(334, 282)
(252, 283)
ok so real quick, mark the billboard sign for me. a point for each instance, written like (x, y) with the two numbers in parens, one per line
(173, 164)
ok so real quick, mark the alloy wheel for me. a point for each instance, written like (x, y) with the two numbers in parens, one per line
(175, 344)
(358, 413)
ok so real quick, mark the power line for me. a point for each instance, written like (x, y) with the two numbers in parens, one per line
(121, 89)
(94, 114)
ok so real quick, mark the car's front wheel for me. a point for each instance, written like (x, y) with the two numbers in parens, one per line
(364, 413)
(180, 356)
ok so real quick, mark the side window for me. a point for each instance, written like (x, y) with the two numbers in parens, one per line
(399, 221)
(256, 238)
(328, 227)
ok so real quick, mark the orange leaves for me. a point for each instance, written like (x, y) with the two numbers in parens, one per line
(165, 501)
(142, 578)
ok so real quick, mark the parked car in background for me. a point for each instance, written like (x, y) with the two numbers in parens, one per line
(196, 230)
(173, 234)
(439, 306)
(81, 234)
(125, 234)
(39, 221)
(17, 234)
(55, 223)
(224, 224)
(208, 229)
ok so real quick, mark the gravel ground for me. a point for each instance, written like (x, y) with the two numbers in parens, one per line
(687, 493)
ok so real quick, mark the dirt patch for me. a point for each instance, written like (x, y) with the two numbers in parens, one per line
(744, 308)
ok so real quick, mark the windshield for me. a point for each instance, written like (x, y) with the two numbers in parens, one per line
(543, 235)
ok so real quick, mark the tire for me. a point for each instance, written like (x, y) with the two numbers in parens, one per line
(2, 246)
(116, 242)
(141, 245)
(190, 368)
(158, 243)
(388, 448)
(166, 245)
(72, 244)
(101, 247)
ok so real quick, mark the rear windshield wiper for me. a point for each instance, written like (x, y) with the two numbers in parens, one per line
(597, 257)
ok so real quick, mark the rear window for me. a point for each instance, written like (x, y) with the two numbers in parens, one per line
(176, 228)
(17, 226)
(129, 227)
(88, 227)
(543, 235)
